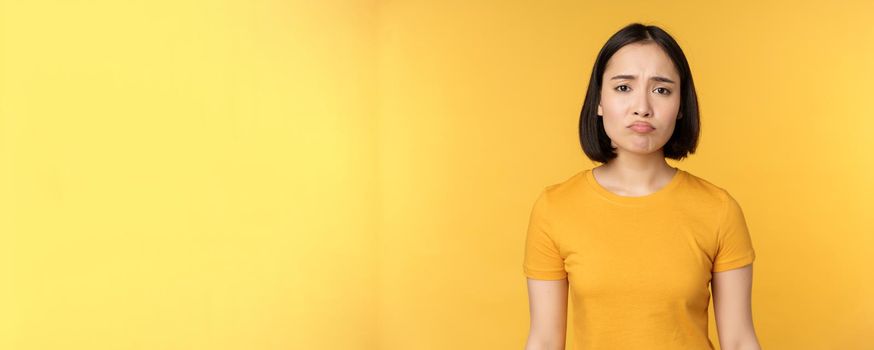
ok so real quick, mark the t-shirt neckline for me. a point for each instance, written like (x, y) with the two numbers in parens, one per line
(654, 197)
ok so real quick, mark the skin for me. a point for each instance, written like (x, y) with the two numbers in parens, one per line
(640, 169)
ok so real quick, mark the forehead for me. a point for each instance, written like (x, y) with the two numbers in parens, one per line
(642, 58)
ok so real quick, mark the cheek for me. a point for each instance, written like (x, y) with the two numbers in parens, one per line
(613, 124)
(614, 116)
(615, 111)
(668, 107)
(611, 104)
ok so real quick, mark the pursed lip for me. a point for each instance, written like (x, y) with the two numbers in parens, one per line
(641, 123)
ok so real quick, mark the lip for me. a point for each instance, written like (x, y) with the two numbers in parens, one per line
(641, 126)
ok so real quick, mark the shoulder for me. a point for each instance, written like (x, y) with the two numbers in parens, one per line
(568, 187)
(704, 189)
(712, 198)
(556, 195)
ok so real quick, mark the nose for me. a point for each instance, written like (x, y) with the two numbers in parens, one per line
(642, 106)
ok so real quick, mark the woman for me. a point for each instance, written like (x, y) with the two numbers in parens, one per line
(634, 241)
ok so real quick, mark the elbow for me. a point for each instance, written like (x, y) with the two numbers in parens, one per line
(543, 346)
(750, 345)
(543, 343)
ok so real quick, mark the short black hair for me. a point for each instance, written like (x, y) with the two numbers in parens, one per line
(593, 138)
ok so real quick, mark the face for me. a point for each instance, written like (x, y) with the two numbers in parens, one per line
(640, 84)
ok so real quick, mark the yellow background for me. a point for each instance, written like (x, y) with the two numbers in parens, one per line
(359, 174)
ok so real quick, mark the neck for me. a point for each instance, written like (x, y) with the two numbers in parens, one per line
(638, 171)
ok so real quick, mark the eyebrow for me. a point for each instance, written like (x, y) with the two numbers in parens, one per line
(632, 77)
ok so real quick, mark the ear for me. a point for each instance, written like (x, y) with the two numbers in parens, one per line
(600, 111)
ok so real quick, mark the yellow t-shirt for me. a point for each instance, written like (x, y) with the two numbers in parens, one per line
(638, 268)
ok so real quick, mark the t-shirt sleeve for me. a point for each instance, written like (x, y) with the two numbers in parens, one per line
(734, 245)
(542, 259)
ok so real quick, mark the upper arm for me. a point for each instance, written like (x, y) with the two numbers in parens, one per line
(543, 264)
(732, 306)
(547, 300)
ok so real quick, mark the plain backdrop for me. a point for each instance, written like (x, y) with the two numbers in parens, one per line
(358, 174)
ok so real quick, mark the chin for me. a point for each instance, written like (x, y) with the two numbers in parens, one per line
(639, 151)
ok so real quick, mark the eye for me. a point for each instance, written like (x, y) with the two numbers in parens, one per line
(667, 92)
(621, 86)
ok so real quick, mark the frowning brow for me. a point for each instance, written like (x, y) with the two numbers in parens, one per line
(632, 77)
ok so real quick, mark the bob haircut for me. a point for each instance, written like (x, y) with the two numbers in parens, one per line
(684, 140)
